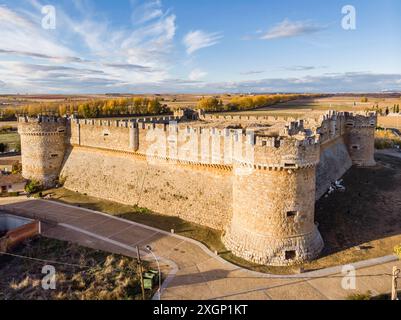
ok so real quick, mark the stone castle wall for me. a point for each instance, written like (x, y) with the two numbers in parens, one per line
(200, 196)
(258, 183)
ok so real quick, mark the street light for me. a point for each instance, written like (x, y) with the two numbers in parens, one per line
(149, 248)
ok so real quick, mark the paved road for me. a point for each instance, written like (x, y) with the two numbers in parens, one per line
(193, 271)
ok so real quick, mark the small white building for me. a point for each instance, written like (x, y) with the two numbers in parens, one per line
(12, 183)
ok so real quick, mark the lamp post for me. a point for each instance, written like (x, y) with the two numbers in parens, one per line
(149, 248)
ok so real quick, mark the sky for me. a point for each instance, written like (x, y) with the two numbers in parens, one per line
(203, 46)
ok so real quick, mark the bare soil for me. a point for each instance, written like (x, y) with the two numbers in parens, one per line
(365, 221)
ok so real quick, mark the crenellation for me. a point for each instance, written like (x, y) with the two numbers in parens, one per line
(255, 178)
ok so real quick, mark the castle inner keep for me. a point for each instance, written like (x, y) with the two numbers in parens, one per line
(254, 178)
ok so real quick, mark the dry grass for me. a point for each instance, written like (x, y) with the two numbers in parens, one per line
(303, 108)
(385, 139)
(98, 276)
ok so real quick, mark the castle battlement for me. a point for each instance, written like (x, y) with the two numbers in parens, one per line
(255, 178)
(42, 119)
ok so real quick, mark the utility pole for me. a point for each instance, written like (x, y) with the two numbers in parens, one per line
(396, 273)
(140, 272)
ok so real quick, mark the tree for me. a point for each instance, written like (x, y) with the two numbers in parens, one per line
(154, 106)
(210, 104)
(62, 110)
(364, 100)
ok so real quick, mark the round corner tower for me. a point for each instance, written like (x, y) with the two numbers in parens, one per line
(361, 139)
(43, 145)
(274, 205)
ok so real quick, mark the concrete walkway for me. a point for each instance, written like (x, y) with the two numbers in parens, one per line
(193, 271)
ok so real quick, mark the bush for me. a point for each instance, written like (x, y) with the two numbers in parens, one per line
(33, 187)
(360, 296)
(385, 139)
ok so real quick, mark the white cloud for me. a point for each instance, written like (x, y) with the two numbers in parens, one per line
(288, 29)
(118, 56)
(196, 40)
(18, 33)
(197, 74)
(147, 11)
(252, 72)
(339, 82)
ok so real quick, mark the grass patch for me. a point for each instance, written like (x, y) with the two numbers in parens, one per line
(90, 275)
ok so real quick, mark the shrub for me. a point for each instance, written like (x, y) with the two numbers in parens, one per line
(360, 296)
(33, 187)
(385, 139)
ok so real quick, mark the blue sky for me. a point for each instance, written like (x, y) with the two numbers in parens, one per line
(161, 46)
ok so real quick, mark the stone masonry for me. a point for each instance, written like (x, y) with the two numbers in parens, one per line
(254, 178)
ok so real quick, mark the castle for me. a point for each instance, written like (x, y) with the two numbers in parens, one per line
(255, 178)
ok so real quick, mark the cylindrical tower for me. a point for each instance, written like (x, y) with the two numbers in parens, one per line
(361, 139)
(274, 204)
(43, 145)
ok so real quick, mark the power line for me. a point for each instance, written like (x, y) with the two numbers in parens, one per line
(43, 260)
(275, 277)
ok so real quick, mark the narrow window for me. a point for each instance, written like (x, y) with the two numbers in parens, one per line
(54, 155)
(289, 165)
(290, 255)
(356, 147)
(291, 214)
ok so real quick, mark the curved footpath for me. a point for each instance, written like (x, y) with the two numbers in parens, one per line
(194, 272)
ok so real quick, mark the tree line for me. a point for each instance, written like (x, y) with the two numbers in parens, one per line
(386, 111)
(242, 103)
(92, 108)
